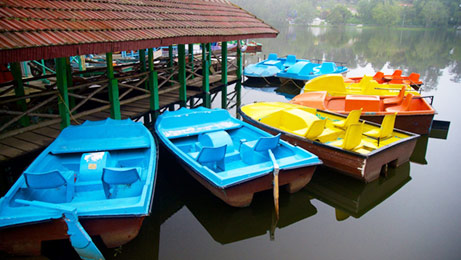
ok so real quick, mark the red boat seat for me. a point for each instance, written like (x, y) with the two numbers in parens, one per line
(405, 106)
(395, 100)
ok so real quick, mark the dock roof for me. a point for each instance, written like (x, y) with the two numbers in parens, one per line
(44, 29)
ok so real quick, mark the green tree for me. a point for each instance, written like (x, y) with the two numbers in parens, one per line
(338, 15)
(435, 13)
(386, 14)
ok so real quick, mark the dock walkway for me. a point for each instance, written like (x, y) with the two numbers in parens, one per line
(37, 139)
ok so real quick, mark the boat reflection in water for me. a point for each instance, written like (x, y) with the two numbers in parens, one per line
(353, 198)
(419, 153)
(227, 224)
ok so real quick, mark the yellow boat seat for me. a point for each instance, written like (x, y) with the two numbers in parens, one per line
(386, 129)
(352, 118)
(352, 139)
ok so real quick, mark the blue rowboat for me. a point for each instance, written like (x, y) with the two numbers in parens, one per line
(290, 68)
(94, 179)
(232, 158)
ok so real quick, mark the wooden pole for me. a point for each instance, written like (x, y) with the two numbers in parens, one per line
(19, 90)
(142, 61)
(191, 57)
(205, 79)
(182, 74)
(153, 84)
(224, 74)
(208, 57)
(70, 83)
(63, 98)
(113, 89)
(238, 85)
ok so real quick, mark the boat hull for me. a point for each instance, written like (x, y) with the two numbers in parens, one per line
(27, 239)
(241, 195)
(417, 123)
(366, 168)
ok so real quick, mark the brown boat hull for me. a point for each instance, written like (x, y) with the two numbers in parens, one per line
(366, 168)
(241, 195)
(27, 239)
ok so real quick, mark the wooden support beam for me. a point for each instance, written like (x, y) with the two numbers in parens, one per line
(19, 91)
(224, 74)
(238, 85)
(142, 61)
(208, 50)
(190, 49)
(153, 85)
(182, 74)
(113, 89)
(205, 78)
(70, 83)
(63, 98)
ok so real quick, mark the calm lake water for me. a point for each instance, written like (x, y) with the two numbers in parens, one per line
(414, 213)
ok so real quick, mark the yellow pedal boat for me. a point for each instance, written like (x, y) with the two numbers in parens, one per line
(336, 86)
(352, 146)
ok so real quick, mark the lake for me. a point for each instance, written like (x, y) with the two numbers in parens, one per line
(413, 213)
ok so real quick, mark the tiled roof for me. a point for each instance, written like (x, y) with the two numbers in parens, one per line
(36, 29)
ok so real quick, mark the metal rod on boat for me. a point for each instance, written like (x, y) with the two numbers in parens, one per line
(276, 183)
(78, 236)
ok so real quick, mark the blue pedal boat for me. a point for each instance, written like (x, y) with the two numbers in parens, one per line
(95, 179)
(290, 68)
(270, 67)
(232, 158)
(306, 70)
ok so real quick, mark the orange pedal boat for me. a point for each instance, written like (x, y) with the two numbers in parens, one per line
(414, 114)
(396, 78)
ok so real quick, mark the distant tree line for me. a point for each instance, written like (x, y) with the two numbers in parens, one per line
(420, 13)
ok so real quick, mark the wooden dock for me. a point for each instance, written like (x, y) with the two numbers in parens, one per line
(37, 139)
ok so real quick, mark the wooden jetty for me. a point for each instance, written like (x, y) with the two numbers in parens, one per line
(34, 110)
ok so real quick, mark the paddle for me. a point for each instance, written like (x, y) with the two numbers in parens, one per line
(276, 182)
(79, 238)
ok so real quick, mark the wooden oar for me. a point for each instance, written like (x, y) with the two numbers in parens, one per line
(276, 182)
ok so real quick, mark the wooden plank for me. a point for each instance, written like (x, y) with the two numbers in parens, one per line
(3, 158)
(47, 131)
(20, 144)
(35, 138)
(9, 152)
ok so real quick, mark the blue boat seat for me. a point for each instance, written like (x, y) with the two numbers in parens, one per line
(111, 177)
(291, 60)
(327, 67)
(256, 151)
(272, 56)
(92, 164)
(55, 179)
(216, 139)
(212, 157)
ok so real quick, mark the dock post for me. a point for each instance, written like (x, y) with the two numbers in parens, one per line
(190, 49)
(63, 98)
(70, 83)
(224, 74)
(238, 85)
(113, 89)
(19, 91)
(142, 61)
(153, 85)
(208, 57)
(205, 79)
(182, 74)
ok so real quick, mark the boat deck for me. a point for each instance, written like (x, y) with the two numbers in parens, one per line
(36, 140)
